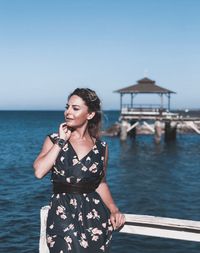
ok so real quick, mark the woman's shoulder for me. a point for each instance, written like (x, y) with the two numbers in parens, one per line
(53, 136)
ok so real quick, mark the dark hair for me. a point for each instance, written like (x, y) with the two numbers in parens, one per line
(94, 105)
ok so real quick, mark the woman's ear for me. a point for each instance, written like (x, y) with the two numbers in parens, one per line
(90, 115)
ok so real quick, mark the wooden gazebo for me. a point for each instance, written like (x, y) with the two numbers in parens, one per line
(145, 86)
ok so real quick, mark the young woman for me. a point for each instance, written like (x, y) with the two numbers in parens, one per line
(82, 212)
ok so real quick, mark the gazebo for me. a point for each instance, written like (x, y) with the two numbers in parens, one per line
(145, 86)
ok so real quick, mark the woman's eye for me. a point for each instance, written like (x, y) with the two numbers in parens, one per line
(76, 109)
(66, 107)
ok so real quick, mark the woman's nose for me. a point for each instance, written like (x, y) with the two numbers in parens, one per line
(67, 111)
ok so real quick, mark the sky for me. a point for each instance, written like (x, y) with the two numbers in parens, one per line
(48, 48)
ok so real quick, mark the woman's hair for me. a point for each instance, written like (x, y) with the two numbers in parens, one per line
(94, 105)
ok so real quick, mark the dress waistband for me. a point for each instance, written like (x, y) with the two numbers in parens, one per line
(74, 188)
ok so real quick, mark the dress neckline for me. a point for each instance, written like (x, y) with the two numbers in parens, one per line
(80, 159)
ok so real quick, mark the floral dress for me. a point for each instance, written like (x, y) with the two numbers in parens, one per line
(78, 223)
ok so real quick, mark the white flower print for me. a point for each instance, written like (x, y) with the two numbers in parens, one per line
(63, 216)
(83, 242)
(68, 241)
(83, 235)
(56, 171)
(88, 158)
(107, 242)
(84, 168)
(61, 211)
(103, 143)
(96, 151)
(93, 215)
(110, 227)
(51, 226)
(95, 238)
(54, 135)
(89, 215)
(65, 148)
(96, 201)
(96, 231)
(50, 240)
(75, 160)
(80, 217)
(104, 225)
(68, 179)
(70, 227)
(93, 167)
(62, 159)
(73, 202)
(102, 248)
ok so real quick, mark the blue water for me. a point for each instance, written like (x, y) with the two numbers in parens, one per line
(144, 178)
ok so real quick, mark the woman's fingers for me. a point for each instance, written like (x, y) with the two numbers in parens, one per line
(117, 220)
(64, 132)
(113, 221)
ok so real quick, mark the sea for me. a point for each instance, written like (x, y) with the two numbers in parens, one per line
(144, 178)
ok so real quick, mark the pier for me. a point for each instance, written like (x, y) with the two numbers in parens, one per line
(157, 119)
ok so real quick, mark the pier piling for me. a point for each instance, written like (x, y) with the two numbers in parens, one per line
(158, 131)
(170, 131)
(123, 130)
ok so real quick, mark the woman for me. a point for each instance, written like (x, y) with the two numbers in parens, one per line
(82, 212)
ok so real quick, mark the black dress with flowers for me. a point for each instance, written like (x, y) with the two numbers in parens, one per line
(78, 223)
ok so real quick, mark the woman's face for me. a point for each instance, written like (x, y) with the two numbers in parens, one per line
(76, 113)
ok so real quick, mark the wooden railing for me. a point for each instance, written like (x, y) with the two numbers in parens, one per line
(144, 106)
(179, 229)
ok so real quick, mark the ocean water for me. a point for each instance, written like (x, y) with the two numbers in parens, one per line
(144, 178)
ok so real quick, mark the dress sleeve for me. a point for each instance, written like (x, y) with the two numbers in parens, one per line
(53, 137)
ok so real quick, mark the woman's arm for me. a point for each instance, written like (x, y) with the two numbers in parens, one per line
(45, 160)
(116, 217)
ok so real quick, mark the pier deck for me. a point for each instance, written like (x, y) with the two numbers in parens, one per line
(153, 114)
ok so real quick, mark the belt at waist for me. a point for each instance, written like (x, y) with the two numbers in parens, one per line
(74, 188)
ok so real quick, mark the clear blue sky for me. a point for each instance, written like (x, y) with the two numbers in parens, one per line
(47, 48)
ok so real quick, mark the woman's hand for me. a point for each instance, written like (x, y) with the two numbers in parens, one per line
(64, 132)
(117, 219)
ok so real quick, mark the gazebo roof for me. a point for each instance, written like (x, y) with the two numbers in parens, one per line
(144, 85)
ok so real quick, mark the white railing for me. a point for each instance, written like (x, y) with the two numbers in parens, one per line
(141, 106)
(180, 229)
(171, 228)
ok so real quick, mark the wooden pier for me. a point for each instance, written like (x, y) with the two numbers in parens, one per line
(156, 119)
